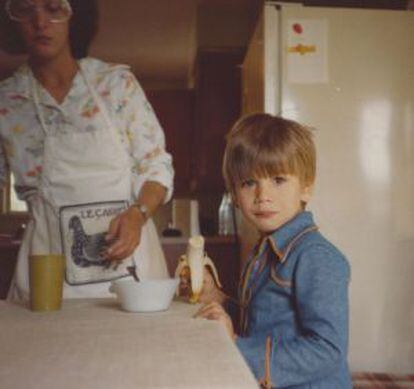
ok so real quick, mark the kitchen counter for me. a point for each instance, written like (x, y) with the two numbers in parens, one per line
(94, 344)
(223, 250)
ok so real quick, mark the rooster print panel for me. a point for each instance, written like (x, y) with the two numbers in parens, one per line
(87, 249)
(83, 229)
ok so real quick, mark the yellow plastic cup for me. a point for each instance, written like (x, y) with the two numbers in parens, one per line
(46, 281)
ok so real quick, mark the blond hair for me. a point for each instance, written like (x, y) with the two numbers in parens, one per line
(262, 145)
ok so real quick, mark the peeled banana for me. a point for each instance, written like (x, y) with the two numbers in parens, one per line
(193, 262)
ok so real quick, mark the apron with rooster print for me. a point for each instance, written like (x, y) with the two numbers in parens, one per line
(85, 182)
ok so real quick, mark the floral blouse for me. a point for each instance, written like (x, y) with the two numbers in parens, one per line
(22, 136)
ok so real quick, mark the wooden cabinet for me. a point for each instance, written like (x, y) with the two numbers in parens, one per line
(218, 104)
(223, 250)
(253, 72)
(196, 121)
(175, 111)
(8, 256)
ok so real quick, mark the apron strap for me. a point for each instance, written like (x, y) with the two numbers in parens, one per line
(101, 105)
(97, 99)
(35, 94)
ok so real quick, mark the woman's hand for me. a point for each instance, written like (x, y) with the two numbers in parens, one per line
(125, 229)
(125, 233)
(215, 311)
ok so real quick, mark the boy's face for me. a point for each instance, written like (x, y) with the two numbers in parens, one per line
(270, 202)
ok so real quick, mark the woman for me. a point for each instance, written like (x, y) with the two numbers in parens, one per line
(86, 150)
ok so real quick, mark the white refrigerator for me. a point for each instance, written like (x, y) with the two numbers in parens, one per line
(349, 73)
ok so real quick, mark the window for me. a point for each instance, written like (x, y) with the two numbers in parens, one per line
(15, 205)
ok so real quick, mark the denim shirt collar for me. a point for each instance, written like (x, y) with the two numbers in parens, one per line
(279, 240)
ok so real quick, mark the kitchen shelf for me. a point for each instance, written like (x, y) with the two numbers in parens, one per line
(217, 239)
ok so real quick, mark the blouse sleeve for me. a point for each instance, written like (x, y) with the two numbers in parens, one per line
(146, 138)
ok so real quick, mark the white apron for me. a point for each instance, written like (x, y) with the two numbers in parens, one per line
(80, 168)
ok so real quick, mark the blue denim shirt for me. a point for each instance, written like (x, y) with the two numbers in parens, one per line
(295, 297)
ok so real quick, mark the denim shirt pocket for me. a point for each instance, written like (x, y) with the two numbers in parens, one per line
(281, 280)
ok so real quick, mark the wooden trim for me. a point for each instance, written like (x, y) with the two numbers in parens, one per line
(225, 239)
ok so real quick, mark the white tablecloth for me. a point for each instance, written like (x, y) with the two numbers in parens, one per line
(94, 344)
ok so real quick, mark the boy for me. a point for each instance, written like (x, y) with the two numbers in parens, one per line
(293, 295)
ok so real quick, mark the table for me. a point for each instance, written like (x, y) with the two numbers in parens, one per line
(94, 344)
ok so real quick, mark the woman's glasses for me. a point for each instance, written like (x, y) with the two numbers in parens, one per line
(56, 11)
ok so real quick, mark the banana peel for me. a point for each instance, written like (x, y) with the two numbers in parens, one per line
(193, 263)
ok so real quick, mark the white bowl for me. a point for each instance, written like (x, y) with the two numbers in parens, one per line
(146, 295)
